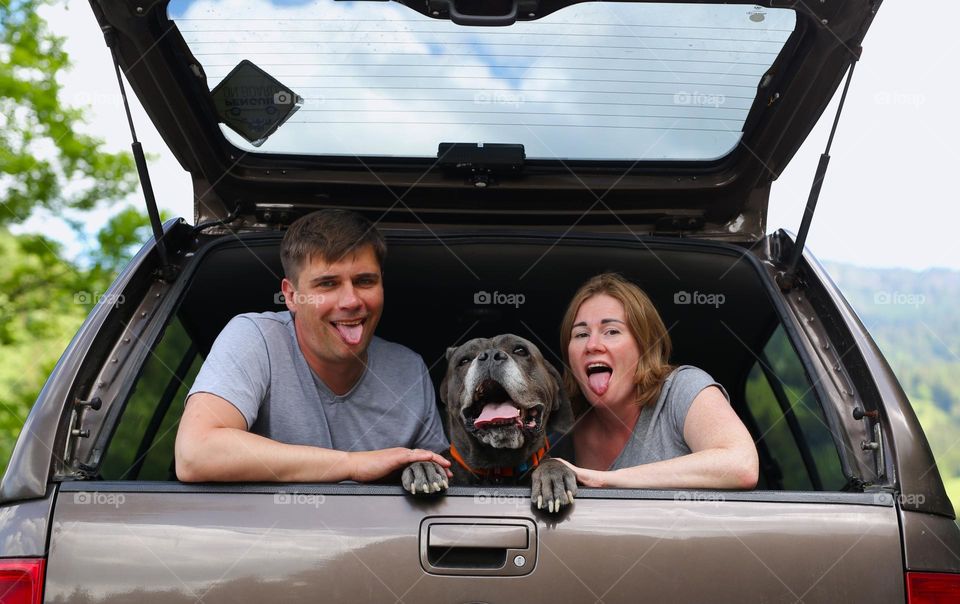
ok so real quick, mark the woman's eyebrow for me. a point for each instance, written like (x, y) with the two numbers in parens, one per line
(602, 322)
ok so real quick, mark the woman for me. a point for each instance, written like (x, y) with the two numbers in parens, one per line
(642, 422)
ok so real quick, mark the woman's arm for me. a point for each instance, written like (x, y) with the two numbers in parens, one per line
(722, 456)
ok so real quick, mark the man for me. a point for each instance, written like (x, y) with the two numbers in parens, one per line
(311, 394)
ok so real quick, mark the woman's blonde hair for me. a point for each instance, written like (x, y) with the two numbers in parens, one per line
(644, 324)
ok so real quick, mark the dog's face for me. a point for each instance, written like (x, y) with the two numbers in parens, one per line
(500, 391)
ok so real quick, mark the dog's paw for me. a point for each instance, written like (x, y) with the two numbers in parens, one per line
(554, 486)
(422, 477)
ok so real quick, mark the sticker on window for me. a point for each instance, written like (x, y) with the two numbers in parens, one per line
(253, 103)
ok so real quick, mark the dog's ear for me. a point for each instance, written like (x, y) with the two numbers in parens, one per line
(561, 415)
(444, 383)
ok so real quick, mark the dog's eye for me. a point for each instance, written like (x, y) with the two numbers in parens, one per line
(521, 350)
(464, 361)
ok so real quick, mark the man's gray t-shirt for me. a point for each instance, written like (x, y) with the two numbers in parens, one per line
(658, 434)
(256, 364)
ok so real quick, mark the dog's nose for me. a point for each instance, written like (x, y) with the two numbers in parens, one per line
(498, 355)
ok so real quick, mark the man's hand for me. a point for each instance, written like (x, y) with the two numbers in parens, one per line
(366, 466)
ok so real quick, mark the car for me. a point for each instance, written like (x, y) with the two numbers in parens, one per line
(508, 151)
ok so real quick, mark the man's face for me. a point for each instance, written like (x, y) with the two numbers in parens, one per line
(337, 306)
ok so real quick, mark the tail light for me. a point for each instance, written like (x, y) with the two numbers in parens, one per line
(21, 580)
(933, 588)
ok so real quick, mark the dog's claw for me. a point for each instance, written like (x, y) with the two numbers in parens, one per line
(436, 487)
(569, 496)
(540, 502)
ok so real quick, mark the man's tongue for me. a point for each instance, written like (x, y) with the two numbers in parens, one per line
(497, 413)
(351, 334)
(599, 381)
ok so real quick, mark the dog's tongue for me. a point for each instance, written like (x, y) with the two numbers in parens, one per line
(599, 382)
(351, 334)
(496, 413)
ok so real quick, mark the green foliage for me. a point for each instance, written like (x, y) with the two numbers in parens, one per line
(45, 161)
(43, 300)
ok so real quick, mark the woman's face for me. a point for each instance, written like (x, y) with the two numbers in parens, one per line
(603, 353)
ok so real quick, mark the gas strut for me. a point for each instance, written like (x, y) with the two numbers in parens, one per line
(787, 279)
(166, 268)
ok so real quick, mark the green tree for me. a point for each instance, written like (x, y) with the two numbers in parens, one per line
(48, 163)
(45, 159)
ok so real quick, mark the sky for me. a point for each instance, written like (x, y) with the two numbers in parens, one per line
(885, 201)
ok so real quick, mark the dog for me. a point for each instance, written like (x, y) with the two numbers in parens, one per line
(502, 399)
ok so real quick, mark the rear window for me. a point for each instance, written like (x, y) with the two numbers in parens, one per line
(592, 81)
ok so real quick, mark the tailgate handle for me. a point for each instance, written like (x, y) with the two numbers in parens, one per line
(482, 546)
(479, 536)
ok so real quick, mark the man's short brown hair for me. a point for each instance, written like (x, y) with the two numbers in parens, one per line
(331, 234)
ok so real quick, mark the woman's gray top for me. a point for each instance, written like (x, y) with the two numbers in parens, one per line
(658, 434)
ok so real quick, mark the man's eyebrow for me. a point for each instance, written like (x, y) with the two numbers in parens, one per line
(366, 275)
(320, 278)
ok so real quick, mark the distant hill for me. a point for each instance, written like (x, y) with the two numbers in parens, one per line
(915, 319)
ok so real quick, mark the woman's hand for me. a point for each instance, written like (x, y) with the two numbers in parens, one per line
(588, 478)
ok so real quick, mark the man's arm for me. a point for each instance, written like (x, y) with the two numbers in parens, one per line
(213, 445)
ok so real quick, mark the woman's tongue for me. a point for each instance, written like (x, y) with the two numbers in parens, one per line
(599, 381)
(351, 334)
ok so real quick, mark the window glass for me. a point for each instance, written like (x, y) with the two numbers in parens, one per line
(595, 80)
(142, 446)
(791, 420)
